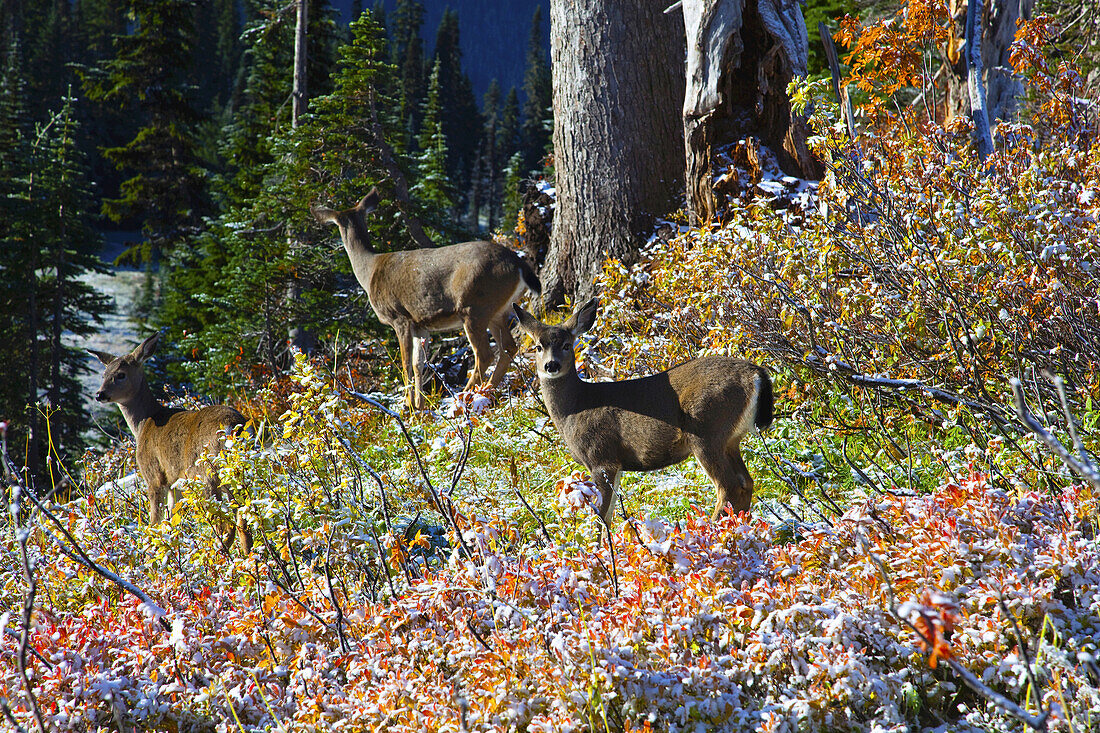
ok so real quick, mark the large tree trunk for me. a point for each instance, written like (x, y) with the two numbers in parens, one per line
(618, 83)
(740, 59)
(998, 24)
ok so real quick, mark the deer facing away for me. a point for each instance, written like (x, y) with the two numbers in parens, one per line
(170, 440)
(420, 291)
(702, 407)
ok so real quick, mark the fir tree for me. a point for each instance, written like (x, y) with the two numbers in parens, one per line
(239, 312)
(539, 97)
(488, 176)
(408, 56)
(458, 107)
(69, 245)
(166, 185)
(433, 185)
(19, 390)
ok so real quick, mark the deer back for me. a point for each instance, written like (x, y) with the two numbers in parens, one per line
(171, 441)
(430, 285)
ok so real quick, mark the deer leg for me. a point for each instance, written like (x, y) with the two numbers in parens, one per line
(155, 489)
(743, 498)
(478, 336)
(405, 343)
(244, 533)
(506, 345)
(607, 481)
(728, 474)
(420, 361)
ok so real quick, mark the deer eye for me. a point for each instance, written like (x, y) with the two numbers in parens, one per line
(119, 377)
(538, 347)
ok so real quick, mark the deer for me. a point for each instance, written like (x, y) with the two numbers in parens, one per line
(170, 440)
(703, 407)
(420, 291)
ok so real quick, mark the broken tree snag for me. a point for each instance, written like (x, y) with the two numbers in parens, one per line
(997, 21)
(740, 59)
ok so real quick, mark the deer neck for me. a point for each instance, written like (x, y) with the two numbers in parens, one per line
(363, 257)
(562, 395)
(139, 408)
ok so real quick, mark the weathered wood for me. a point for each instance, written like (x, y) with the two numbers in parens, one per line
(974, 82)
(740, 59)
(998, 20)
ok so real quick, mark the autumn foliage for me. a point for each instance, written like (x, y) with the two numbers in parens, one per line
(916, 558)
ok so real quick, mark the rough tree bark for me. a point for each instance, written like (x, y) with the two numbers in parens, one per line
(740, 59)
(998, 21)
(299, 336)
(618, 83)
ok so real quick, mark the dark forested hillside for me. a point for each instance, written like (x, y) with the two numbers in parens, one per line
(493, 31)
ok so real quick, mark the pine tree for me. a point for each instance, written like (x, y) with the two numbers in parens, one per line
(235, 284)
(19, 390)
(508, 138)
(407, 54)
(166, 189)
(488, 178)
(433, 185)
(459, 115)
(539, 97)
(69, 245)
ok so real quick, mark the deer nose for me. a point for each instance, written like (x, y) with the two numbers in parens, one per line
(101, 396)
(551, 367)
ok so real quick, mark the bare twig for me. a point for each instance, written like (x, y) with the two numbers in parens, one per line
(1082, 466)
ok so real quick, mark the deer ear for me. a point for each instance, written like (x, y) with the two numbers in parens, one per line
(583, 319)
(527, 322)
(323, 214)
(145, 350)
(369, 203)
(103, 356)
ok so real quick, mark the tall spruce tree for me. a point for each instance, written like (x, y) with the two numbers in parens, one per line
(433, 185)
(538, 91)
(68, 244)
(194, 305)
(19, 391)
(486, 181)
(407, 55)
(166, 188)
(240, 316)
(459, 114)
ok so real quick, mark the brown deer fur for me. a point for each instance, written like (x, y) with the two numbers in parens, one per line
(419, 291)
(703, 407)
(170, 440)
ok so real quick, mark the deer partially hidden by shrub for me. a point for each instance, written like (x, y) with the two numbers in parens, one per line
(702, 407)
(170, 440)
(420, 291)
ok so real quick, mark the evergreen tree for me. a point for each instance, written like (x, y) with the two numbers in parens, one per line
(508, 137)
(241, 238)
(433, 185)
(46, 243)
(166, 189)
(487, 179)
(458, 107)
(408, 56)
(514, 175)
(538, 89)
(68, 245)
(19, 390)
(239, 313)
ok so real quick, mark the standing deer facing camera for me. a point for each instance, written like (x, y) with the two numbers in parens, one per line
(170, 440)
(703, 407)
(419, 291)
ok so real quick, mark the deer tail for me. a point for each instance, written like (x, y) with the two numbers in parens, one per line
(765, 401)
(530, 279)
